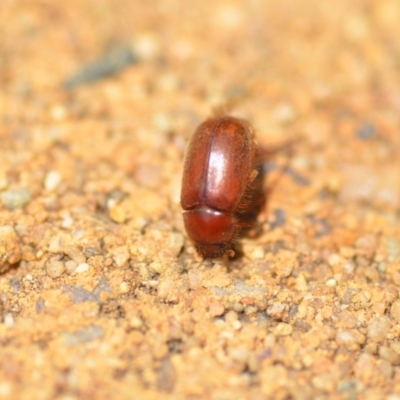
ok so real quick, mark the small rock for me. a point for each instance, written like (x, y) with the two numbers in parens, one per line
(238, 307)
(54, 245)
(175, 244)
(218, 280)
(283, 329)
(10, 252)
(167, 291)
(366, 246)
(82, 267)
(74, 254)
(52, 180)
(124, 287)
(347, 252)
(350, 338)
(239, 356)
(156, 267)
(70, 266)
(195, 277)
(331, 282)
(391, 295)
(378, 328)
(231, 316)
(15, 198)
(301, 283)
(55, 269)
(9, 320)
(395, 311)
(121, 256)
(276, 310)
(135, 322)
(389, 355)
(117, 213)
(334, 260)
(146, 46)
(216, 309)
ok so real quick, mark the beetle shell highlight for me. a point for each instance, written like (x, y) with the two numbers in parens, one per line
(219, 167)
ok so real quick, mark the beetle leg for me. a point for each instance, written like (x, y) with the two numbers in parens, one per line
(253, 175)
(230, 253)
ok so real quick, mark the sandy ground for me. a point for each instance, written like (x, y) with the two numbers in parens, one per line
(103, 296)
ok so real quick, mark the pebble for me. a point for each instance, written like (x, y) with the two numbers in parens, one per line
(16, 198)
(124, 287)
(334, 260)
(82, 267)
(58, 112)
(239, 356)
(121, 256)
(347, 252)
(156, 267)
(378, 328)
(238, 307)
(395, 311)
(67, 221)
(285, 113)
(216, 309)
(301, 283)
(175, 244)
(167, 291)
(116, 212)
(146, 46)
(70, 266)
(74, 254)
(9, 320)
(237, 325)
(389, 355)
(135, 322)
(331, 282)
(366, 246)
(276, 310)
(391, 294)
(351, 338)
(283, 329)
(55, 269)
(52, 180)
(10, 252)
(231, 316)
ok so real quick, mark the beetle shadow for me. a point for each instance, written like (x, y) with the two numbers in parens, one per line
(249, 223)
(257, 202)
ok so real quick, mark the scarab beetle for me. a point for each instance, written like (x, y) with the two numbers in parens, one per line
(219, 188)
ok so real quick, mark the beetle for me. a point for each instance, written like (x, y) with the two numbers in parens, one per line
(221, 194)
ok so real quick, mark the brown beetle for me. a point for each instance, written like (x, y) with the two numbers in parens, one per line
(219, 193)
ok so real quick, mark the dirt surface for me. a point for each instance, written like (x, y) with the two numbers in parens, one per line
(103, 296)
